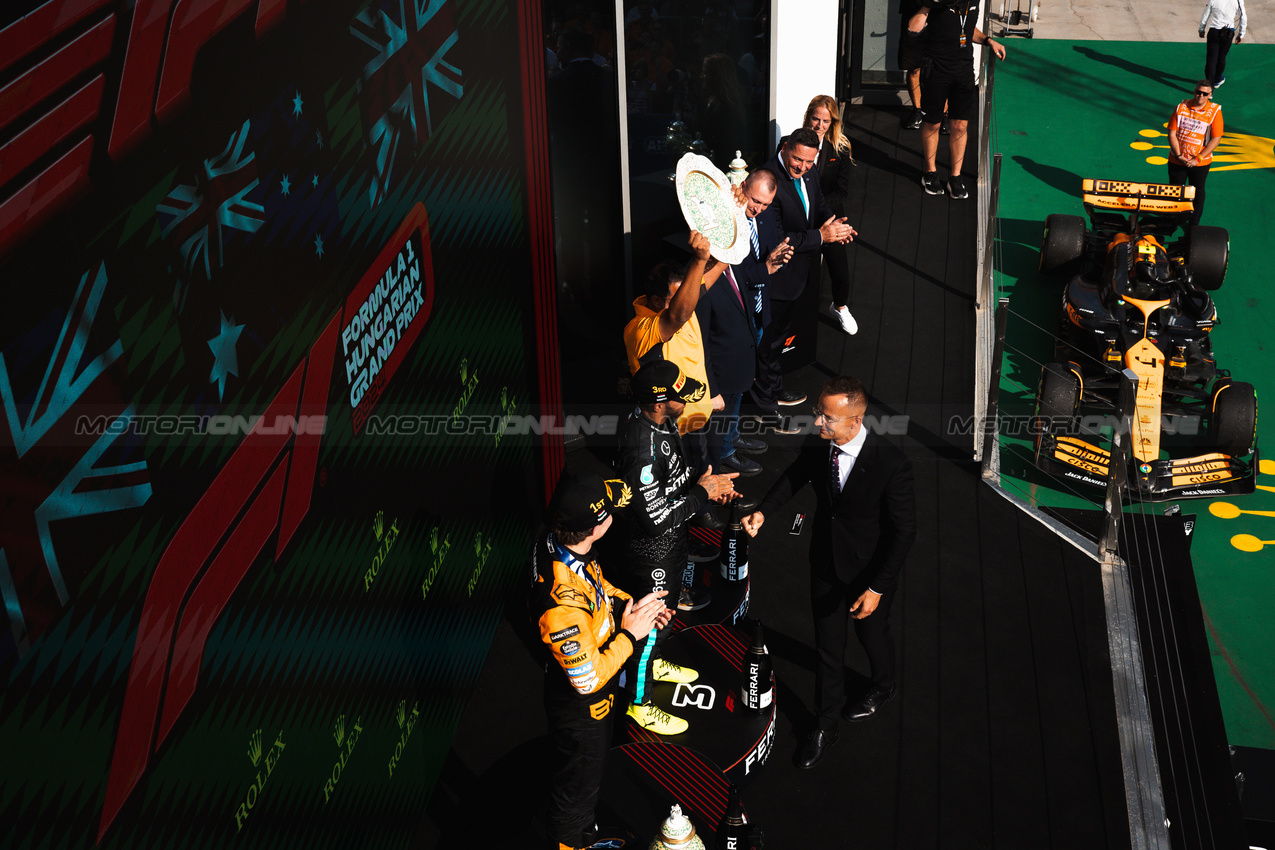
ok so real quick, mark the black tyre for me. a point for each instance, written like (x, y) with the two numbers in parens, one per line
(1208, 253)
(1234, 417)
(1062, 244)
(1057, 399)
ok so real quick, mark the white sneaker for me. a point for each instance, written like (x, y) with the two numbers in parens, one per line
(848, 324)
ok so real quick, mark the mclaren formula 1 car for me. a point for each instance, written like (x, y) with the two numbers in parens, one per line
(1138, 299)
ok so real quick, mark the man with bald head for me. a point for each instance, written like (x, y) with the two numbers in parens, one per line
(864, 525)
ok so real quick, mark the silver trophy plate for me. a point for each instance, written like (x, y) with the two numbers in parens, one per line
(708, 205)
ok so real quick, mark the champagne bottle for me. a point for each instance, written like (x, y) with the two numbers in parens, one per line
(757, 692)
(734, 556)
(732, 834)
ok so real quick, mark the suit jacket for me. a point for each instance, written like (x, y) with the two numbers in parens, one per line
(801, 228)
(864, 533)
(751, 274)
(834, 177)
(729, 338)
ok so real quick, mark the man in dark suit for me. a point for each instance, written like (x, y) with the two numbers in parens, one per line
(806, 221)
(731, 316)
(864, 525)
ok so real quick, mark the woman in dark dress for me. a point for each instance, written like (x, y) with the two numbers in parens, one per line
(835, 162)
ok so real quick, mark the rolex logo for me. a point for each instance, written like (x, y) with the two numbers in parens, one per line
(478, 544)
(401, 713)
(378, 524)
(338, 731)
(254, 748)
(1236, 150)
(464, 370)
(433, 540)
(1226, 510)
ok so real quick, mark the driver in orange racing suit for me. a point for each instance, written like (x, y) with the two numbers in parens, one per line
(575, 610)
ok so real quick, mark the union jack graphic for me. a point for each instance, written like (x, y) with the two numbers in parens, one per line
(87, 481)
(410, 56)
(201, 213)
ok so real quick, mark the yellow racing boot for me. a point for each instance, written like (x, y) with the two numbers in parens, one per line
(655, 719)
(667, 671)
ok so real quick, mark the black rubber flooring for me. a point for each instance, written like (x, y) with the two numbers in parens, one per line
(1004, 733)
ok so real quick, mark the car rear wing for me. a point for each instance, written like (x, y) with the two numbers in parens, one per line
(1124, 196)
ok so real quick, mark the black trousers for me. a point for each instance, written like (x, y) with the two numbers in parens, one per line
(1191, 175)
(830, 600)
(643, 575)
(1218, 44)
(770, 377)
(836, 257)
(580, 743)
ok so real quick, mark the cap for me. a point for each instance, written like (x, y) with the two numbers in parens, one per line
(662, 380)
(581, 501)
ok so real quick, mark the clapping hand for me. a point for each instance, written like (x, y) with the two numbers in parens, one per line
(720, 488)
(648, 613)
(779, 257)
(836, 230)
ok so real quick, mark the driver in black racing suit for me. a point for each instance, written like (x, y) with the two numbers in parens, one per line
(652, 527)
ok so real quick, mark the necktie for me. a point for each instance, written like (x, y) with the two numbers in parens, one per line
(730, 275)
(752, 237)
(801, 190)
(834, 471)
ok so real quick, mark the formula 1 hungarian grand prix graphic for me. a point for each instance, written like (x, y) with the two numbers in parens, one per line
(237, 239)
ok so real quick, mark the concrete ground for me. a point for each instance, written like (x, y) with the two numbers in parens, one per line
(1137, 20)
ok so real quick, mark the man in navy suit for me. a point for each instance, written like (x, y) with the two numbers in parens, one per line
(803, 217)
(731, 316)
(864, 525)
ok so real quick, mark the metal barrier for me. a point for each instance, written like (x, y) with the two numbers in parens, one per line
(1144, 796)
(988, 194)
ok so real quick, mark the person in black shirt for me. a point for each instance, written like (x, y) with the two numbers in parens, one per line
(909, 59)
(948, 32)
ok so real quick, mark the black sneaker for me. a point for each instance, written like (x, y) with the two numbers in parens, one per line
(693, 600)
(788, 398)
(956, 187)
(701, 551)
(784, 425)
(747, 444)
(1218, 84)
(930, 183)
(914, 123)
(709, 520)
(738, 463)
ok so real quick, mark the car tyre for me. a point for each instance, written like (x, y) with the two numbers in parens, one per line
(1234, 417)
(1057, 398)
(1208, 253)
(1062, 244)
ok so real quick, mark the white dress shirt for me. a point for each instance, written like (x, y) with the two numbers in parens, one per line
(1220, 14)
(849, 453)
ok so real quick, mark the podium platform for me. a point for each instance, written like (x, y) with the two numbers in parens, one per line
(726, 744)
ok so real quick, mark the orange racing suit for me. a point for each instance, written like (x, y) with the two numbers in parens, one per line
(573, 607)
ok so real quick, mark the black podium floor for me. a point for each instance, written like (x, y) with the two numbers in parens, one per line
(1004, 733)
